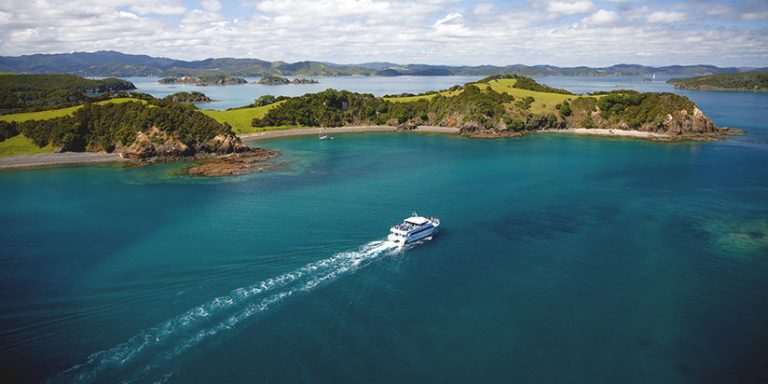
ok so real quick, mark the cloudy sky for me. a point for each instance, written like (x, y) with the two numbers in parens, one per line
(558, 32)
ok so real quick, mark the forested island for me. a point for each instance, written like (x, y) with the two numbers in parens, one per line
(499, 106)
(188, 97)
(203, 81)
(279, 80)
(747, 81)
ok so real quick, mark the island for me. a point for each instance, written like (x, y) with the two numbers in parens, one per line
(130, 126)
(278, 80)
(501, 106)
(188, 97)
(744, 81)
(203, 80)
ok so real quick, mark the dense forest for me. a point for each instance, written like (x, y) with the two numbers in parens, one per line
(748, 81)
(27, 92)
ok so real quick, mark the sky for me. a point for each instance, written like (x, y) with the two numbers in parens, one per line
(453, 32)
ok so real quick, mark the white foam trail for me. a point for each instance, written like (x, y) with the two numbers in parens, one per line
(149, 350)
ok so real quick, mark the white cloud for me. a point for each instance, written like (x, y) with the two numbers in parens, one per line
(665, 17)
(570, 7)
(601, 17)
(158, 8)
(404, 31)
(755, 16)
(127, 15)
(210, 5)
(483, 9)
(447, 19)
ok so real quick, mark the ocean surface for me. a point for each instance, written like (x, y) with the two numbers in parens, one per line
(560, 259)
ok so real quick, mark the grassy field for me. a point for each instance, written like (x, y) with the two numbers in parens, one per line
(54, 113)
(42, 115)
(545, 102)
(21, 145)
(420, 97)
(240, 119)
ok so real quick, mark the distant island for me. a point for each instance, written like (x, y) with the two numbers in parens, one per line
(203, 80)
(748, 81)
(278, 80)
(188, 97)
(111, 63)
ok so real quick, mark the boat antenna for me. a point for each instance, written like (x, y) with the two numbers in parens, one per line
(414, 214)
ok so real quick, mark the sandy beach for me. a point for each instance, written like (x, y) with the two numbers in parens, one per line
(67, 158)
(341, 130)
(607, 132)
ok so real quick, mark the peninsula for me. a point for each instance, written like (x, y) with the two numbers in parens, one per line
(745, 81)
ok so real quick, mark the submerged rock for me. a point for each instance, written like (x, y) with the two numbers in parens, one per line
(254, 160)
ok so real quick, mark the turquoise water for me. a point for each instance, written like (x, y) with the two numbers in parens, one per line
(560, 259)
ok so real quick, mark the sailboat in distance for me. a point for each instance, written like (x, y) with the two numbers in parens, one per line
(323, 136)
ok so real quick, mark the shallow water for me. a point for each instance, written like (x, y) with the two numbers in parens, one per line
(560, 259)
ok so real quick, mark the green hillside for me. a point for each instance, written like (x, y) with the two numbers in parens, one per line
(50, 91)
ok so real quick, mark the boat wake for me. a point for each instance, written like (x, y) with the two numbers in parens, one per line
(144, 355)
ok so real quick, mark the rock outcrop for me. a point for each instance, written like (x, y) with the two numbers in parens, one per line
(156, 144)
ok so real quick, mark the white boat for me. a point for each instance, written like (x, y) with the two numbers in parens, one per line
(323, 136)
(413, 229)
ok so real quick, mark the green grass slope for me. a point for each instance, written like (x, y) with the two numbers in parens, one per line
(21, 145)
(54, 113)
(240, 119)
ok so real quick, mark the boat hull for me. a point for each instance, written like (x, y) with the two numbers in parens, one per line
(412, 237)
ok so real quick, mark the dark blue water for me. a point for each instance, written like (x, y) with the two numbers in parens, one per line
(560, 259)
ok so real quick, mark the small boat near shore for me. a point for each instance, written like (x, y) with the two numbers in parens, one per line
(323, 136)
(413, 229)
